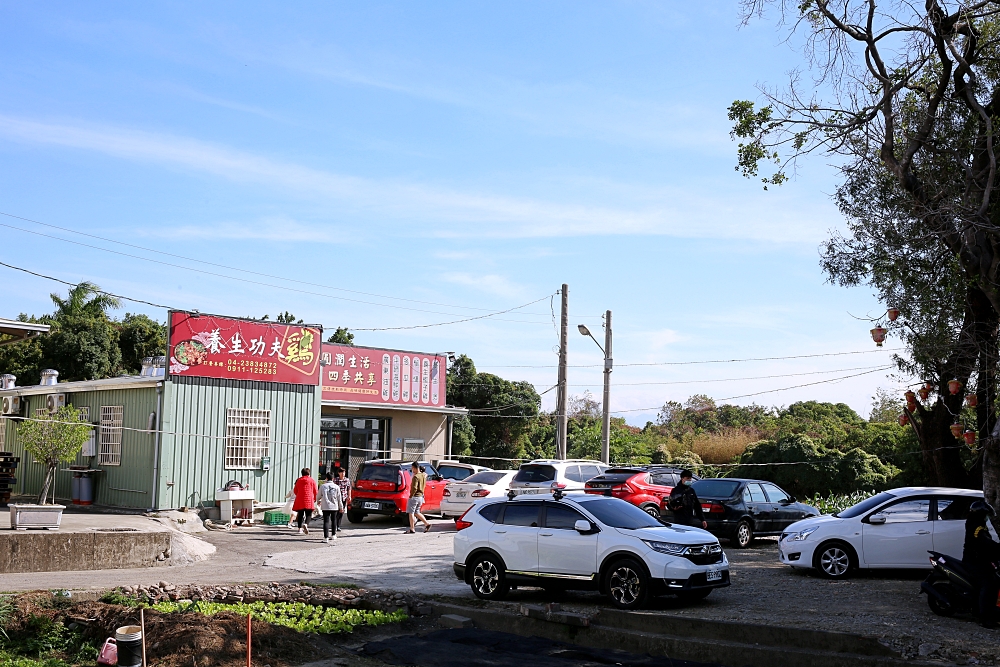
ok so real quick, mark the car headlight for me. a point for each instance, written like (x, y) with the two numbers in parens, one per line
(802, 534)
(666, 547)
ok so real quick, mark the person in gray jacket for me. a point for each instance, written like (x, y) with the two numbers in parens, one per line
(331, 502)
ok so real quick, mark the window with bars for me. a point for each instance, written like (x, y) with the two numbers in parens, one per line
(112, 418)
(248, 435)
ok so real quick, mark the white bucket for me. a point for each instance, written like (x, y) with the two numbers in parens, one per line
(128, 633)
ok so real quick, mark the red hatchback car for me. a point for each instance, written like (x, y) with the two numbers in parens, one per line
(383, 487)
(646, 487)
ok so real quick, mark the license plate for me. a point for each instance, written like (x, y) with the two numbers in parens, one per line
(713, 575)
(461, 494)
(531, 491)
(372, 506)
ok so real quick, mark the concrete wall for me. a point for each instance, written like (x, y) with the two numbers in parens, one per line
(43, 551)
(431, 427)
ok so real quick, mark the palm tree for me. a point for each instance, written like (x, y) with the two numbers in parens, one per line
(84, 299)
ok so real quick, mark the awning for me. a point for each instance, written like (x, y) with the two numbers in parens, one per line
(20, 330)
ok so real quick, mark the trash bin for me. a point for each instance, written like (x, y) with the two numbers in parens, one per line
(75, 485)
(86, 488)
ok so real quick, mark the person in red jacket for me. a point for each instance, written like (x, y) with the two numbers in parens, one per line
(305, 491)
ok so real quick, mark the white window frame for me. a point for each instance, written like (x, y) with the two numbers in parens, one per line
(414, 447)
(248, 438)
(110, 449)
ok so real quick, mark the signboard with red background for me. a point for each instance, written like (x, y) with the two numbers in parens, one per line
(221, 347)
(391, 377)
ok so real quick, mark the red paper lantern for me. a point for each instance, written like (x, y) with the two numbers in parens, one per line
(878, 335)
(924, 392)
(954, 386)
(971, 400)
(893, 313)
(910, 397)
(957, 430)
(904, 419)
(970, 437)
(929, 385)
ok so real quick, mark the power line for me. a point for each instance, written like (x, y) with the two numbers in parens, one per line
(64, 282)
(441, 324)
(231, 268)
(771, 391)
(716, 361)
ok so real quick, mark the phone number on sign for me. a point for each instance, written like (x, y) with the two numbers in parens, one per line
(251, 366)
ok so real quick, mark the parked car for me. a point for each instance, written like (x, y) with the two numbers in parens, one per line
(459, 496)
(646, 487)
(743, 509)
(584, 542)
(456, 470)
(570, 475)
(894, 529)
(383, 487)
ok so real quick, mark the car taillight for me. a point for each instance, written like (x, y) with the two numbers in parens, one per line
(713, 508)
(557, 485)
(461, 523)
(480, 493)
(446, 493)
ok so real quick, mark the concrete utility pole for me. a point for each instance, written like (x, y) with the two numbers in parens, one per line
(561, 417)
(608, 363)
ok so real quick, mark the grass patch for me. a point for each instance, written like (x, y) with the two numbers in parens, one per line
(298, 616)
(723, 446)
(45, 642)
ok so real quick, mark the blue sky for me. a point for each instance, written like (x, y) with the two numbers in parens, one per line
(475, 155)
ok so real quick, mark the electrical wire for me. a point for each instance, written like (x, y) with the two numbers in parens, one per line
(716, 361)
(441, 324)
(64, 282)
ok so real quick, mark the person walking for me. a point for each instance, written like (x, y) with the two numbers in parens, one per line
(305, 491)
(980, 557)
(418, 483)
(684, 503)
(331, 503)
(345, 492)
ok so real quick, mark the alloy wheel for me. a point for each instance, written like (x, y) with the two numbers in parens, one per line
(835, 562)
(486, 577)
(744, 534)
(624, 585)
(653, 511)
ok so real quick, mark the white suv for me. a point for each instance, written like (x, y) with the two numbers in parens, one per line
(584, 542)
(569, 475)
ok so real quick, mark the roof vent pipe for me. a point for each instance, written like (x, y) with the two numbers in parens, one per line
(50, 377)
(154, 367)
(7, 381)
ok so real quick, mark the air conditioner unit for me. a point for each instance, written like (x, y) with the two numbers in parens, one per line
(55, 401)
(11, 405)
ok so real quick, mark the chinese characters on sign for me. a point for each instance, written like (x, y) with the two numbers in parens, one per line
(219, 347)
(367, 375)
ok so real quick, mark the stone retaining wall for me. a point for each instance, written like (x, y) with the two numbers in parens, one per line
(52, 551)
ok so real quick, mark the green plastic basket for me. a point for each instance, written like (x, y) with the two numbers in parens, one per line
(275, 518)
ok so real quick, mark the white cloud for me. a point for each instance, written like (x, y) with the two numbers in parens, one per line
(442, 212)
(489, 283)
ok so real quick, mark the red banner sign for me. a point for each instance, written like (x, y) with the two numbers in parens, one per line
(392, 377)
(219, 347)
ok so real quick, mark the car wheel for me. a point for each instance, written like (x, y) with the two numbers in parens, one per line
(743, 535)
(487, 579)
(355, 517)
(694, 596)
(652, 510)
(627, 584)
(938, 607)
(834, 560)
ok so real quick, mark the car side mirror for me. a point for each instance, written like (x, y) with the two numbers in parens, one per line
(437, 478)
(876, 519)
(583, 526)
(787, 501)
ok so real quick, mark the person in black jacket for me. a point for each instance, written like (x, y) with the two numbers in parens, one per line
(980, 557)
(684, 503)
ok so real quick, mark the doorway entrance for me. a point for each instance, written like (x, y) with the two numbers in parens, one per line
(347, 442)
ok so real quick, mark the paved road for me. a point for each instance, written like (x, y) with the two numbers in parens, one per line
(377, 553)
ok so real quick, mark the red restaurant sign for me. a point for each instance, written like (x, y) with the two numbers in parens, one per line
(219, 347)
(369, 375)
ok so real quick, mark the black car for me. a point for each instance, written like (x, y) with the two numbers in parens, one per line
(742, 509)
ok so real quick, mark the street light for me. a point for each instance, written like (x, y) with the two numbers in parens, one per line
(606, 413)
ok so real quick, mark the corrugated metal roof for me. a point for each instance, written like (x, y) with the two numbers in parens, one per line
(110, 384)
(21, 330)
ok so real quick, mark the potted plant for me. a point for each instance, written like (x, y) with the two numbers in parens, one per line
(51, 439)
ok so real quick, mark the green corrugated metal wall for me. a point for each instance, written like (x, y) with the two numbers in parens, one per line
(195, 465)
(128, 485)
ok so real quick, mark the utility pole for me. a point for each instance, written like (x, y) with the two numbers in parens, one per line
(608, 363)
(561, 417)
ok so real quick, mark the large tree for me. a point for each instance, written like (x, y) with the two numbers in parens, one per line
(905, 96)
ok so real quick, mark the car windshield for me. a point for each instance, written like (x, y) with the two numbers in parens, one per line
(618, 513)
(715, 488)
(488, 478)
(535, 473)
(864, 506)
(454, 472)
(379, 473)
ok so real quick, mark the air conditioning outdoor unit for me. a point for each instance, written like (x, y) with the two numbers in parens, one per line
(11, 405)
(55, 401)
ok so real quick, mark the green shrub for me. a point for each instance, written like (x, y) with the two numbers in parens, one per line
(298, 616)
(834, 503)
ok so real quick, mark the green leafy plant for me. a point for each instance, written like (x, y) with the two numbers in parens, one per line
(54, 438)
(298, 616)
(834, 503)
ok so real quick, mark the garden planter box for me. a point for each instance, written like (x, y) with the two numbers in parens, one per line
(23, 517)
